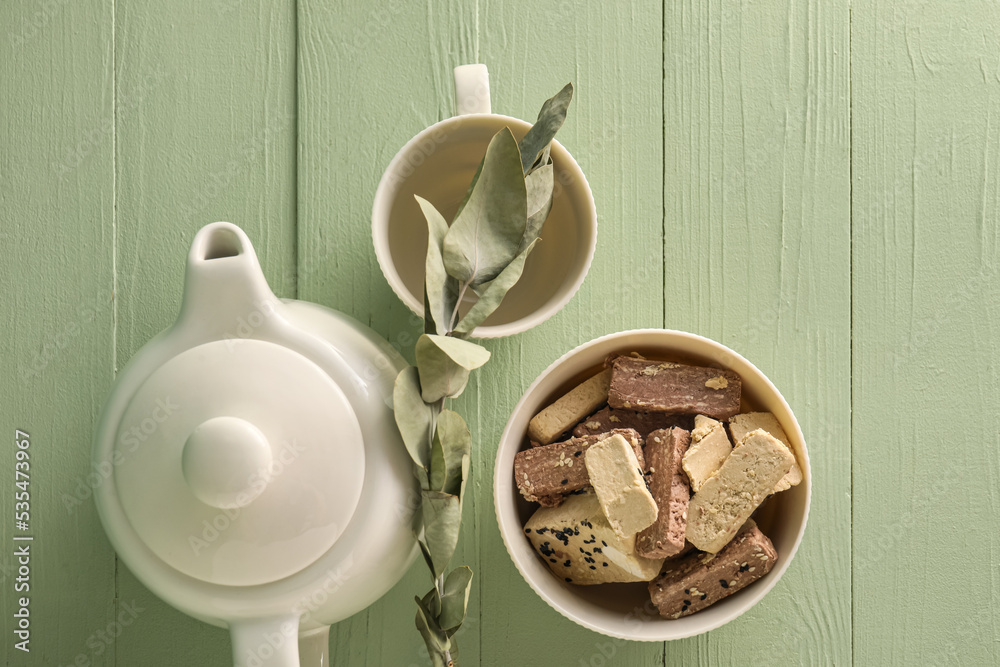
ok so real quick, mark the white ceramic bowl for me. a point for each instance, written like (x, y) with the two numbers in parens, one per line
(624, 610)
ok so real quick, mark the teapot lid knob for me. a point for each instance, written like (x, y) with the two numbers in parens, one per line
(227, 462)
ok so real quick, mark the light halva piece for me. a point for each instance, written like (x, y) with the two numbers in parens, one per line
(730, 496)
(740, 425)
(579, 402)
(617, 478)
(545, 474)
(669, 486)
(699, 580)
(580, 547)
(664, 386)
(710, 446)
(645, 423)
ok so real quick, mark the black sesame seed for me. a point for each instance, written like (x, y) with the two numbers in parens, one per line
(687, 603)
(604, 564)
(744, 568)
(703, 596)
(723, 583)
(604, 543)
(687, 590)
(577, 453)
(565, 481)
(568, 579)
(552, 560)
(592, 567)
(566, 564)
(597, 550)
(527, 530)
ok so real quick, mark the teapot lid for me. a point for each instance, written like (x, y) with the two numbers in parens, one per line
(238, 461)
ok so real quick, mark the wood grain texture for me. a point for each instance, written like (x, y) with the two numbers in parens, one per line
(812, 183)
(205, 129)
(756, 245)
(926, 149)
(57, 331)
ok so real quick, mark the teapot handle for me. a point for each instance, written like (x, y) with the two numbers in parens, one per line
(266, 642)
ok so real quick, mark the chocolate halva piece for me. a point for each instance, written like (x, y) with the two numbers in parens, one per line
(645, 423)
(700, 580)
(618, 482)
(710, 447)
(545, 474)
(576, 404)
(663, 386)
(740, 425)
(731, 495)
(580, 547)
(669, 487)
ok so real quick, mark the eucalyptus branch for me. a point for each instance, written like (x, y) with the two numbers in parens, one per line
(483, 249)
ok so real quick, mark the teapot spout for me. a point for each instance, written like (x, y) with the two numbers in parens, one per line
(225, 292)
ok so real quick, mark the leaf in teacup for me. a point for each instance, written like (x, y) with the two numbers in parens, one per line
(414, 418)
(539, 184)
(444, 363)
(442, 516)
(472, 186)
(550, 119)
(440, 289)
(485, 235)
(452, 441)
(455, 600)
(492, 293)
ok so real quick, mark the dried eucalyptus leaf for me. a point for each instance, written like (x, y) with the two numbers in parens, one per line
(438, 643)
(442, 516)
(550, 119)
(444, 363)
(414, 418)
(539, 184)
(472, 186)
(492, 293)
(485, 235)
(454, 441)
(466, 465)
(431, 603)
(455, 600)
(439, 296)
(438, 472)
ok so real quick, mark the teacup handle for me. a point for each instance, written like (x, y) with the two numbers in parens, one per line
(472, 89)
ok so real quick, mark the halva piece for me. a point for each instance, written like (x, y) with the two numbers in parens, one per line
(740, 425)
(669, 487)
(645, 423)
(699, 579)
(617, 478)
(710, 446)
(580, 547)
(556, 419)
(664, 386)
(545, 474)
(728, 498)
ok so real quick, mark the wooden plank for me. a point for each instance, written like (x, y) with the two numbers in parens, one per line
(756, 245)
(358, 106)
(56, 227)
(205, 130)
(926, 90)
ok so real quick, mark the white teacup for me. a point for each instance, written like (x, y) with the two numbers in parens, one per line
(438, 164)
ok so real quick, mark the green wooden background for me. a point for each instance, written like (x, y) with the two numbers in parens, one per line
(814, 183)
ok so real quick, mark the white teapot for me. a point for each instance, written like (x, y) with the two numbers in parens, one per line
(255, 476)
